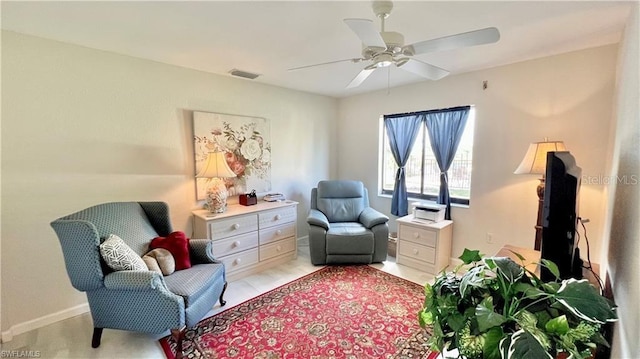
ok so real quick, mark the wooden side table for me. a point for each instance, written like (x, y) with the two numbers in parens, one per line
(424, 245)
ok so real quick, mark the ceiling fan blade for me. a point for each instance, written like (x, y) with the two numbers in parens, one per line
(356, 60)
(360, 78)
(366, 31)
(424, 69)
(471, 38)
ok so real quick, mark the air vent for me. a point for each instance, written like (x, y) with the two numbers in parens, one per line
(244, 74)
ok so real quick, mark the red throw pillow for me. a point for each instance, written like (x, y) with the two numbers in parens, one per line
(177, 244)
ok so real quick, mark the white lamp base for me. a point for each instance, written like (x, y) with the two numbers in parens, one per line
(217, 196)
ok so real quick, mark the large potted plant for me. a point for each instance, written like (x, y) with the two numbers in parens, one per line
(493, 308)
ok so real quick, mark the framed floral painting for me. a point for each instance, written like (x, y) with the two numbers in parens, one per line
(247, 146)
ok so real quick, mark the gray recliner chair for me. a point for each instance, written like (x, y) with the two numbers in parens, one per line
(342, 226)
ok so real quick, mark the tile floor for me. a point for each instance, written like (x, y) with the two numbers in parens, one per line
(71, 338)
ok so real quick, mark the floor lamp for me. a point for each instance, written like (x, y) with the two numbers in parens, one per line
(535, 162)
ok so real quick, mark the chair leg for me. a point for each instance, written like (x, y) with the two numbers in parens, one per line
(222, 301)
(97, 335)
(178, 336)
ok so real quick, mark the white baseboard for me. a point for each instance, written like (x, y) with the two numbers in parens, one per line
(303, 240)
(43, 321)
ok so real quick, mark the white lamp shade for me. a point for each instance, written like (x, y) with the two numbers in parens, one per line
(215, 166)
(535, 160)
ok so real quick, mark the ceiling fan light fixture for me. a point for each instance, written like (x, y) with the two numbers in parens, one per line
(382, 60)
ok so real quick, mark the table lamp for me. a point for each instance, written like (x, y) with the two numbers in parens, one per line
(215, 168)
(535, 162)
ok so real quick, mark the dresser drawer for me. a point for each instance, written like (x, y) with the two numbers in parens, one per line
(232, 245)
(240, 260)
(233, 226)
(273, 234)
(414, 263)
(418, 235)
(417, 251)
(277, 248)
(276, 217)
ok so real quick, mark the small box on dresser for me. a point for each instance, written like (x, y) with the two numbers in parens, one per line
(249, 239)
(423, 245)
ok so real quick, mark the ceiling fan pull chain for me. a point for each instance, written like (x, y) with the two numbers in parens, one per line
(388, 80)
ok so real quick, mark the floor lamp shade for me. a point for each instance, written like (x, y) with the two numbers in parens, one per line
(215, 167)
(535, 162)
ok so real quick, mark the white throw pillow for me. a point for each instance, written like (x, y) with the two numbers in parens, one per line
(119, 256)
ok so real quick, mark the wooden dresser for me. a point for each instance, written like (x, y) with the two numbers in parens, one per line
(249, 239)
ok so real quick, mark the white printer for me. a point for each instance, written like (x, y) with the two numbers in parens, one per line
(429, 211)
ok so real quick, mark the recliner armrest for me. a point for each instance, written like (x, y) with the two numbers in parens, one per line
(370, 217)
(201, 251)
(317, 218)
(134, 280)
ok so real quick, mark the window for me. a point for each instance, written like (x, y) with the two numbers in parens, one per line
(422, 172)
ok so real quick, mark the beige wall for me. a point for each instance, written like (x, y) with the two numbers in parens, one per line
(623, 220)
(81, 127)
(567, 97)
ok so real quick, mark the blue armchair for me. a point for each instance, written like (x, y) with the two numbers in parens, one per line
(142, 301)
(342, 226)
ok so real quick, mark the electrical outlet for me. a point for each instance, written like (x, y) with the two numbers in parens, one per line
(489, 237)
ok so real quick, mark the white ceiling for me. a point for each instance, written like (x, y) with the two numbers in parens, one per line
(268, 37)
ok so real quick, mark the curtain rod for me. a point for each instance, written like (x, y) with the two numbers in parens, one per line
(457, 108)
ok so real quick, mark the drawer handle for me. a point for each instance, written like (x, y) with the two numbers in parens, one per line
(278, 217)
(237, 261)
(278, 248)
(416, 235)
(415, 251)
(278, 232)
(236, 244)
(236, 226)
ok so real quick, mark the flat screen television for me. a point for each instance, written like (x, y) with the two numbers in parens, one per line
(560, 216)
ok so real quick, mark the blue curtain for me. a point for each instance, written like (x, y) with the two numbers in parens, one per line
(445, 129)
(402, 131)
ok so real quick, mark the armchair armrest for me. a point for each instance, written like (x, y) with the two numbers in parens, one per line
(370, 217)
(317, 218)
(134, 280)
(201, 251)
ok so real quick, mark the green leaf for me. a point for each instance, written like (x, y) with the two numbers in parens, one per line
(529, 322)
(469, 256)
(523, 345)
(558, 325)
(518, 255)
(456, 321)
(528, 290)
(552, 267)
(583, 300)
(425, 318)
(492, 339)
(486, 315)
(503, 347)
(551, 287)
(509, 269)
(473, 278)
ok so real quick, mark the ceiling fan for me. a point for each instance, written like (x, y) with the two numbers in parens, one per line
(386, 48)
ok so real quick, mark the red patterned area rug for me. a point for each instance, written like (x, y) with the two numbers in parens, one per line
(336, 312)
